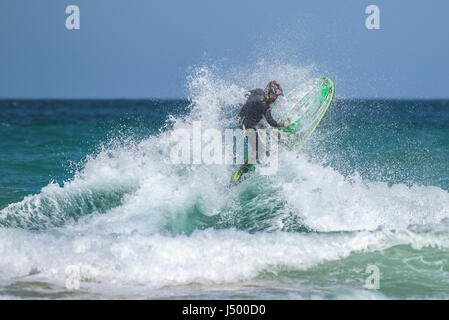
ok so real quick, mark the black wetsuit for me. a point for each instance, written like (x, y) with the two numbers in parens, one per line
(255, 107)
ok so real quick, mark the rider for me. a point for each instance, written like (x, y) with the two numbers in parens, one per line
(256, 106)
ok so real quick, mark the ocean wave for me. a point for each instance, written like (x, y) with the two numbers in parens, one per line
(130, 217)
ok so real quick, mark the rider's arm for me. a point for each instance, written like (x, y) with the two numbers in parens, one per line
(271, 121)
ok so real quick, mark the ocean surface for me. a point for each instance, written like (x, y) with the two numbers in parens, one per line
(92, 208)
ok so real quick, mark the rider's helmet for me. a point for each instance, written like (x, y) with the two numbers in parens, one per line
(274, 87)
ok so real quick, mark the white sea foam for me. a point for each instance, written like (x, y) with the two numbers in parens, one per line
(205, 257)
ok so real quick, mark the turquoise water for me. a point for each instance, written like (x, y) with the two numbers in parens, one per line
(91, 208)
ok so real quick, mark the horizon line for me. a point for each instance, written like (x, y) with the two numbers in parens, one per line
(186, 98)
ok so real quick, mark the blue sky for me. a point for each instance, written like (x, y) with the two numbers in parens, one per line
(144, 48)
